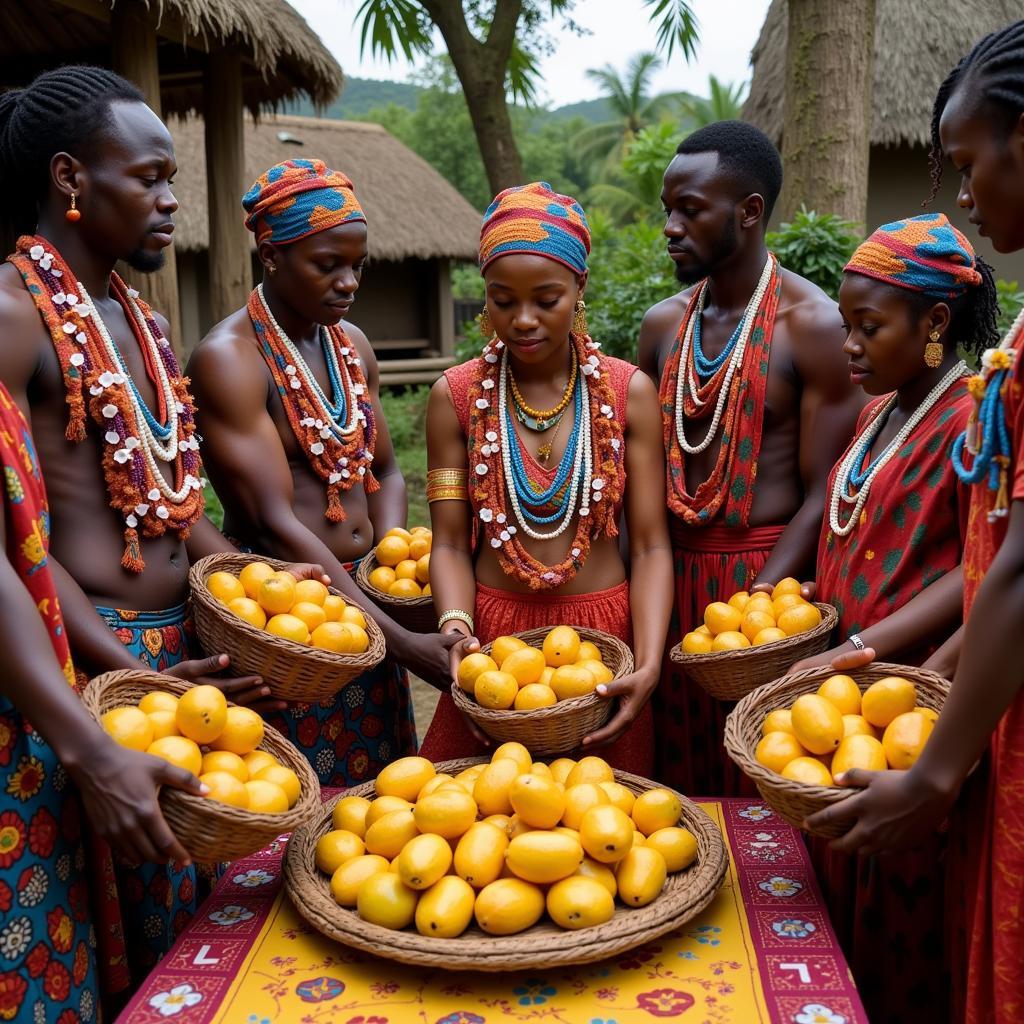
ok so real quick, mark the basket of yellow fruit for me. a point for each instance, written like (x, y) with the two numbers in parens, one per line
(304, 639)
(260, 785)
(754, 638)
(504, 864)
(538, 687)
(396, 576)
(794, 735)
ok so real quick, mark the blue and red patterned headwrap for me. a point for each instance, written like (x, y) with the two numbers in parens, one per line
(923, 254)
(299, 198)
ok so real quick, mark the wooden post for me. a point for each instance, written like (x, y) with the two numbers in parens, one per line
(444, 317)
(230, 266)
(133, 45)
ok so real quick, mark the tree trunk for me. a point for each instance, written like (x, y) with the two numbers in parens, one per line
(488, 110)
(827, 126)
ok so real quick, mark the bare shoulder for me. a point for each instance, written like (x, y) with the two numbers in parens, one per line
(358, 338)
(658, 330)
(227, 353)
(23, 335)
(806, 310)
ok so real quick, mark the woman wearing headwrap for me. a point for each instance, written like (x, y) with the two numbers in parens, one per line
(530, 446)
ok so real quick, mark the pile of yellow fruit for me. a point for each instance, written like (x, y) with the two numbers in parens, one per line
(753, 620)
(403, 558)
(838, 728)
(501, 842)
(516, 675)
(303, 611)
(200, 733)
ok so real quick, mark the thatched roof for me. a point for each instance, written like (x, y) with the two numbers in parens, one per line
(282, 57)
(412, 211)
(916, 45)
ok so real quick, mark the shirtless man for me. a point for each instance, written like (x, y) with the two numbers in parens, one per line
(788, 417)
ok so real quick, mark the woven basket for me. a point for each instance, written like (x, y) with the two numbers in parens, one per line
(795, 801)
(731, 675)
(209, 830)
(294, 672)
(415, 614)
(560, 728)
(543, 946)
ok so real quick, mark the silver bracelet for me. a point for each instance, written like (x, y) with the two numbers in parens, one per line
(854, 639)
(455, 615)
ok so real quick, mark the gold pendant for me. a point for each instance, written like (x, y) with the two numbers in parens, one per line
(544, 453)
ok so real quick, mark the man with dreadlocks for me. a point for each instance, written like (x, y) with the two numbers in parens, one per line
(978, 124)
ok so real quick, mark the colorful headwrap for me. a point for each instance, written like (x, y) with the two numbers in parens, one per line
(299, 198)
(534, 219)
(923, 254)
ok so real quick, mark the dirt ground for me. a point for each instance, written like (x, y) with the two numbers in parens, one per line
(424, 700)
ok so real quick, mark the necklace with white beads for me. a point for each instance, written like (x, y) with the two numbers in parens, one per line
(842, 488)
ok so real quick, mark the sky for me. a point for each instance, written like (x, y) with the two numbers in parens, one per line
(619, 29)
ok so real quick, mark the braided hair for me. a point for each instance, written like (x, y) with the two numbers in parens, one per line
(60, 111)
(995, 67)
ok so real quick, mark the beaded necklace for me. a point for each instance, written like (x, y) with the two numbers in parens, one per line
(541, 419)
(587, 484)
(852, 486)
(137, 441)
(336, 434)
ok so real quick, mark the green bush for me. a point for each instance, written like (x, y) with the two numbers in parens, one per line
(1011, 298)
(405, 411)
(816, 246)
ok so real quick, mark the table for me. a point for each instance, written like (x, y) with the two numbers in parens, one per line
(764, 951)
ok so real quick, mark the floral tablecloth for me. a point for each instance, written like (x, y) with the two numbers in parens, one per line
(763, 951)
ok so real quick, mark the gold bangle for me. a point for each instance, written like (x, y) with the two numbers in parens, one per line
(455, 614)
(438, 492)
(449, 477)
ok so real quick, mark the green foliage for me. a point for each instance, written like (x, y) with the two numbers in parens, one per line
(633, 190)
(1011, 298)
(816, 246)
(214, 509)
(724, 102)
(405, 412)
(467, 282)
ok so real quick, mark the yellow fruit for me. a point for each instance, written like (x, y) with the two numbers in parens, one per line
(495, 690)
(490, 791)
(202, 713)
(404, 778)
(739, 599)
(480, 854)
(858, 752)
(158, 700)
(677, 845)
(641, 876)
(517, 827)
(423, 569)
(590, 769)
(516, 752)
(761, 601)
(400, 531)
(786, 586)
(524, 665)
(929, 713)
(258, 759)
(606, 833)
(427, 592)
(858, 725)
(163, 723)
(729, 641)
(385, 900)
(242, 732)
(382, 577)
(799, 619)
(405, 588)
(533, 696)
(904, 739)
(224, 587)
(471, 666)
(353, 616)
(419, 546)
(277, 593)
(539, 802)
(784, 603)
(333, 636)
(385, 805)
(885, 699)
(704, 631)
(266, 797)
(598, 669)
(638, 838)
(446, 908)
(359, 639)
(225, 761)
(348, 879)
(817, 723)
(283, 777)
(423, 860)
(572, 680)
(333, 607)
(768, 636)
(252, 576)
(129, 727)
(289, 627)
(311, 614)
(579, 902)
(336, 848)
(392, 550)
(406, 569)
(468, 776)
(541, 769)
(449, 812)
(601, 873)
(507, 906)
(248, 610)
(720, 617)
(225, 789)
(843, 692)
(579, 799)
(755, 622)
(389, 834)
(656, 808)
(543, 857)
(777, 749)
(310, 592)
(350, 814)
(434, 784)
(560, 768)
(696, 643)
(779, 720)
(503, 646)
(589, 651)
(620, 796)
(808, 770)
(179, 750)
(561, 646)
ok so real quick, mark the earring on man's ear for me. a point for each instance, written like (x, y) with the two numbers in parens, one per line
(72, 213)
(271, 268)
(934, 352)
(483, 321)
(579, 318)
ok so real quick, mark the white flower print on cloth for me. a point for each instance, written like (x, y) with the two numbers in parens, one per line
(229, 915)
(15, 938)
(33, 885)
(179, 998)
(793, 928)
(756, 812)
(818, 1013)
(253, 877)
(86, 1006)
(779, 886)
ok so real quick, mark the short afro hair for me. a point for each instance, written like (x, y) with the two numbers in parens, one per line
(745, 153)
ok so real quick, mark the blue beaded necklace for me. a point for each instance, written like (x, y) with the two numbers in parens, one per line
(993, 456)
(707, 368)
(338, 408)
(857, 477)
(162, 431)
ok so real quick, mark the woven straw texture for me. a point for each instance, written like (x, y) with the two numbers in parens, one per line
(294, 672)
(731, 675)
(415, 614)
(209, 830)
(795, 801)
(560, 728)
(543, 946)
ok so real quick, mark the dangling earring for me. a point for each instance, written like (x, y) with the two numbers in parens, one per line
(271, 268)
(933, 352)
(484, 323)
(579, 318)
(72, 214)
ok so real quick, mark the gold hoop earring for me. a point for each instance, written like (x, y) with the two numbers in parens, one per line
(483, 321)
(579, 318)
(933, 352)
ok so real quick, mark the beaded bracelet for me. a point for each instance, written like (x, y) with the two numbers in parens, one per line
(447, 485)
(455, 615)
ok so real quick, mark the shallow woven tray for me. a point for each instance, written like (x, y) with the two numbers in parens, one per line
(795, 801)
(415, 614)
(209, 830)
(560, 728)
(294, 672)
(543, 946)
(731, 675)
